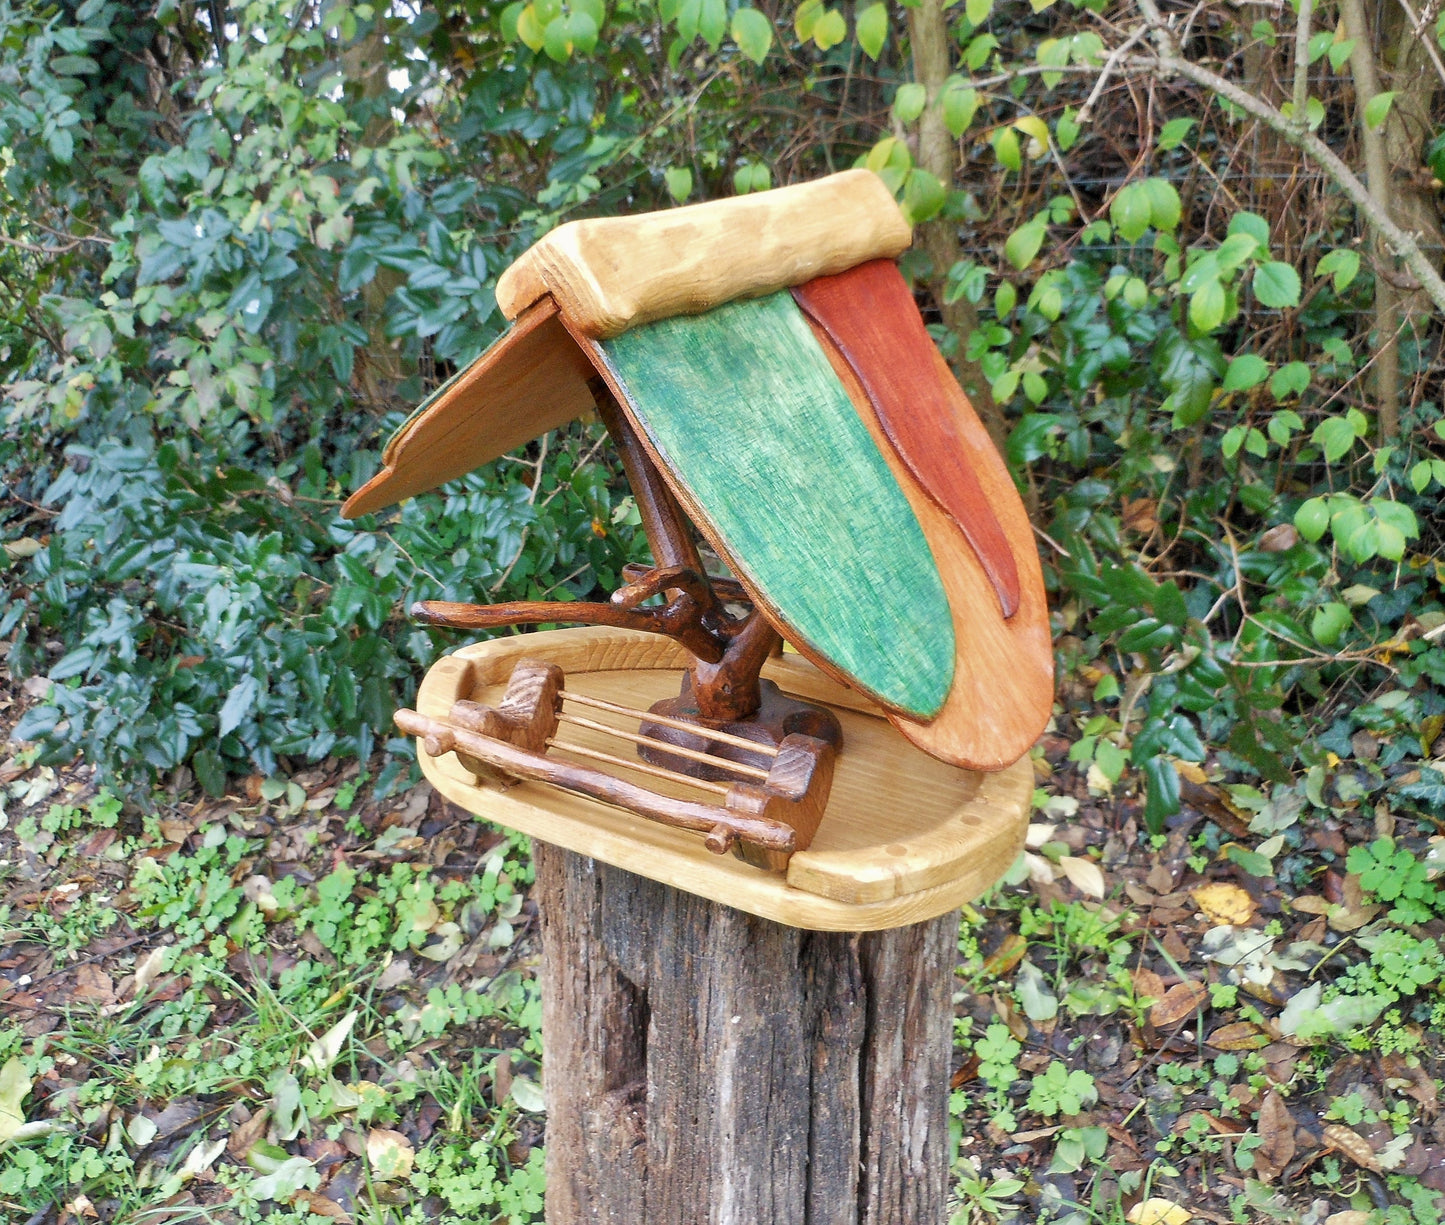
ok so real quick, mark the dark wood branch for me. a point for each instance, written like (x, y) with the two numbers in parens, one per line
(680, 620)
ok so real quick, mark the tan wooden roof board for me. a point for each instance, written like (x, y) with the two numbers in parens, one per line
(609, 274)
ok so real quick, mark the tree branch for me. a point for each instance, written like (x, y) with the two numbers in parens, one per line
(1401, 243)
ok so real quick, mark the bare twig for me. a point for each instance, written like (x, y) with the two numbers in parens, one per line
(1107, 71)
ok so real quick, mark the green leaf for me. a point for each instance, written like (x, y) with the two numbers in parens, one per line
(978, 11)
(679, 182)
(1340, 52)
(1024, 243)
(1329, 622)
(1291, 379)
(1206, 306)
(976, 54)
(1377, 109)
(1335, 435)
(1245, 371)
(582, 32)
(1004, 299)
(1052, 53)
(871, 26)
(1066, 130)
(1420, 476)
(752, 177)
(1039, 1003)
(1130, 211)
(829, 30)
(1252, 224)
(1283, 424)
(1161, 795)
(1397, 515)
(806, 17)
(529, 29)
(712, 22)
(1342, 264)
(1234, 250)
(1006, 148)
(909, 101)
(923, 196)
(1277, 284)
(1172, 134)
(753, 33)
(240, 702)
(960, 104)
(1164, 206)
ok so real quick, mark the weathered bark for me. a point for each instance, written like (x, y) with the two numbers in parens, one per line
(938, 154)
(703, 1065)
(1386, 378)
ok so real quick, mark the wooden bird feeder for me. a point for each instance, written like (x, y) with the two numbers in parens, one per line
(749, 859)
(763, 370)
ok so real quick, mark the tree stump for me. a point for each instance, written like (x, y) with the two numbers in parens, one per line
(704, 1065)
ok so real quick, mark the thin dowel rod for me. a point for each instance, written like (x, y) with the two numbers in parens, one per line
(681, 725)
(641, 767)
(676, 750)
(721, 825)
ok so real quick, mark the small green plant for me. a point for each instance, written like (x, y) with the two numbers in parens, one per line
(1061, 1091)
(997, 1052)
(1392, 874)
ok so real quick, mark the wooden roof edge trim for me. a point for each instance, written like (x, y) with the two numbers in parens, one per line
(609, 274)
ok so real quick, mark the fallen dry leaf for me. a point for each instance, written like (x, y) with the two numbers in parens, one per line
(247, 1134)
(1275, 1125)
(319, 1204)
(389, 1153)
(1350, 1216)
(1148, 985)
(1238, 1036)
(1084, 875)
(1006, 959)
(14, 1085)
(93, 985)
(1222, 902)
(1159, 1211)
(1353, 1145)
(147, 968)
(1413, 1079)
(1180, 1001)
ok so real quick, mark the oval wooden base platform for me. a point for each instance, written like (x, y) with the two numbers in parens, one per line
(905, 837)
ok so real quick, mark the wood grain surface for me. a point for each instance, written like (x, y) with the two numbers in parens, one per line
(763, 449)
(1003, 676)
(533, 379)
(904, 837)
(705, 1067)
(609, 274)
(869, 313)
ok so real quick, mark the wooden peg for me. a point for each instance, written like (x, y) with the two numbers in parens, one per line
(526, 716)
(795, 793)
